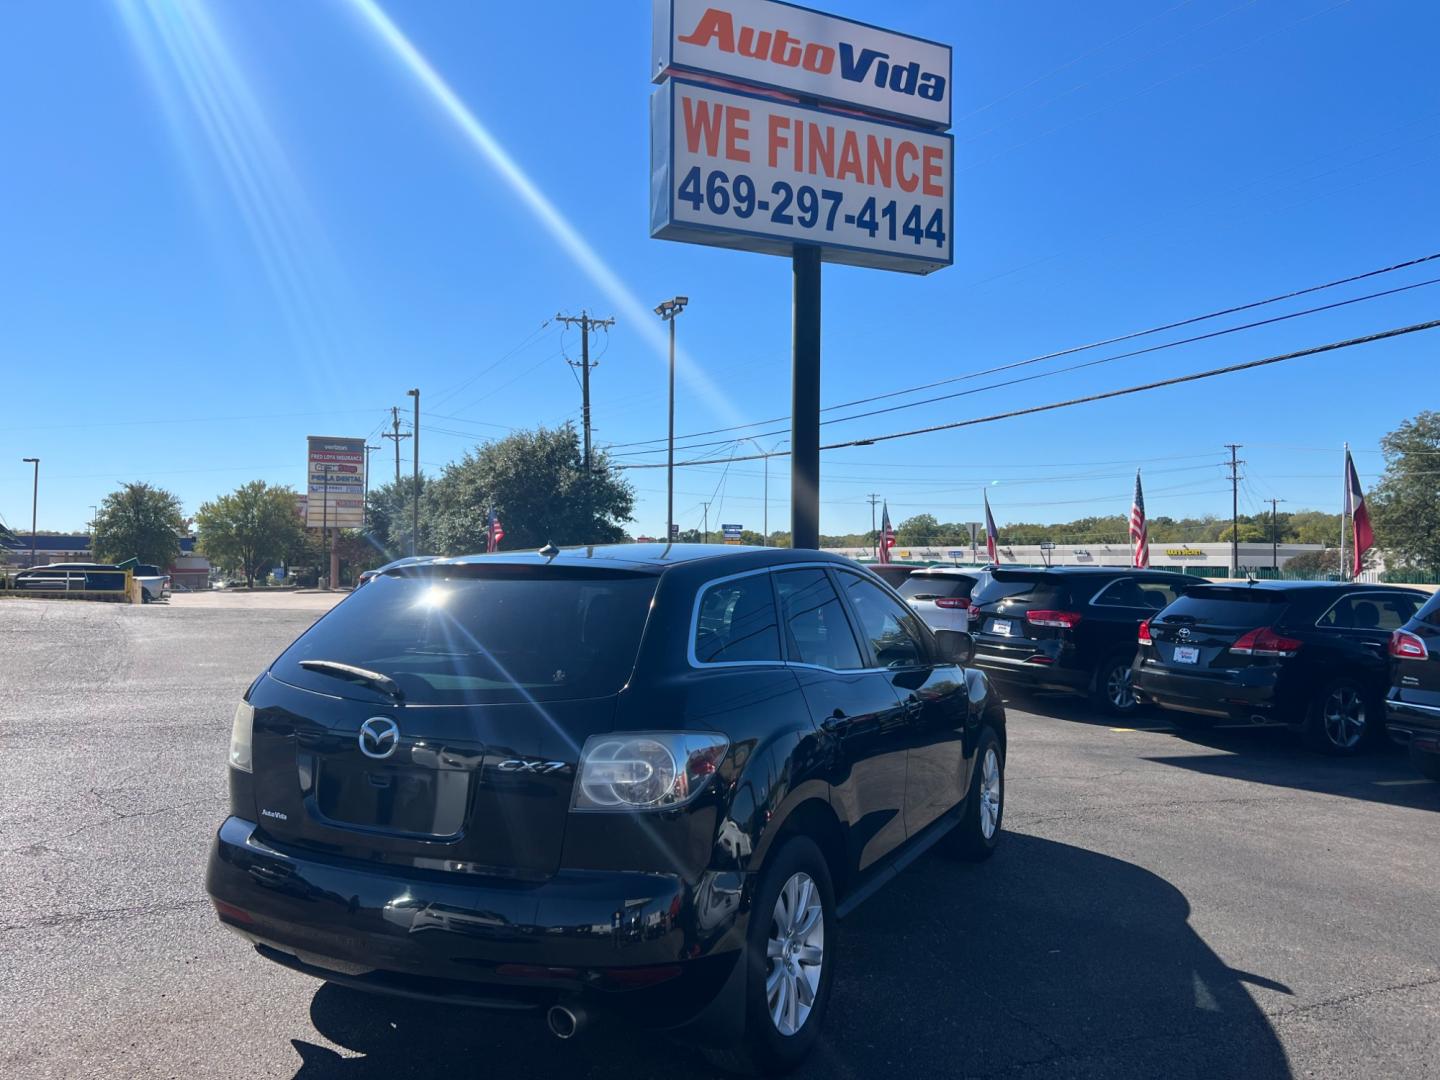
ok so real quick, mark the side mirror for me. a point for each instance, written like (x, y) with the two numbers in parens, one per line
(956, 646)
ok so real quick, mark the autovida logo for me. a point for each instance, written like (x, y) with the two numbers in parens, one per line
(717, 29)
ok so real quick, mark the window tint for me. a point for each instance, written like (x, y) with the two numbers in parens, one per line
(1430, 613)
(1143, 595)
(1368, 611)
(465, 636)
(889, 626)
(1230, 607)
(1033, 589)
(935, 586)
(816, 630)
(736, 621)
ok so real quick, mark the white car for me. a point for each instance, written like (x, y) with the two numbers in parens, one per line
(940, 595)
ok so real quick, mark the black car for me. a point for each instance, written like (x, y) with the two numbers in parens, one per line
(631, 780)
(1311, 654)
(1067, 628)
(1412, 708)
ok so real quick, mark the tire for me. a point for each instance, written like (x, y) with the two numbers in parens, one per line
(767, 1048)
(975, 838)
(1342, 719)
(1112, 685)
(1428, 764)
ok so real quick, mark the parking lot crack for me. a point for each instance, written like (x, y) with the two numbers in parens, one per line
(104, 915)
(1358, 995)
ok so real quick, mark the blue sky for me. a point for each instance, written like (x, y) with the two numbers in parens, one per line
(222, 231)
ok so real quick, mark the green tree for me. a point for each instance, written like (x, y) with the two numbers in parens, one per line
(391, 515)
(537, 483)
(138, 522)
(251, 528)
(917, 530)
(1405, 504)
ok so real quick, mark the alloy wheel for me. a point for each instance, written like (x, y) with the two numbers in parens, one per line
(990, 793)
(1344, 716)
(795, 952)
(1118, 688)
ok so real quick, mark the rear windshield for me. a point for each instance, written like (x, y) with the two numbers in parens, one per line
(493, 637)
(1035, 589)
(1430, 613)
(1228, 607)
(935, 586)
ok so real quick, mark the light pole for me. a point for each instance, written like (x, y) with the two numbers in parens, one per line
(415, 514)
(766, 456)
(667, 310)
(34, 502)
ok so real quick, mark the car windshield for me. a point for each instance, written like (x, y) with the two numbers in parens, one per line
(465, 638)
(935, 586)
(1228, 607)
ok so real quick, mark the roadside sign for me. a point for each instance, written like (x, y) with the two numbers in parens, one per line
(954, 554)
(336, 485)
(780, 46)
(732, 532)
(674, 531)
(738, 170)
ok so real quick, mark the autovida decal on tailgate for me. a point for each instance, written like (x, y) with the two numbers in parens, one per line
(808, 53)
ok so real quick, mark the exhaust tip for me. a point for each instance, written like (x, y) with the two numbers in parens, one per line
(565, 1021)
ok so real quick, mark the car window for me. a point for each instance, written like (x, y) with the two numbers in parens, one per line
(1430, 613)
(1036, 590)
(1143, 595)
(933, 586)
(735, 622)
(886, 624)
(816, 629)
(1368, 611)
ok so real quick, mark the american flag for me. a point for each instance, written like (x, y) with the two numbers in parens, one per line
(992, 538)
(1139, 537)
(887, 536)
(494, 532)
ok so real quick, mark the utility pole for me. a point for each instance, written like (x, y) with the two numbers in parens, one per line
(1235, 464)
(707, 523)
(1275, 535)
(415, 480)
(395, 434)
(586, 325)
(875, 540)
(34, 503)
(365, 498)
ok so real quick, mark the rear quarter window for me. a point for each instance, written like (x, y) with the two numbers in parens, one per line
(735, 622)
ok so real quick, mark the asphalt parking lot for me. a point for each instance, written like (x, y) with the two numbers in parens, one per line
(1187, 905)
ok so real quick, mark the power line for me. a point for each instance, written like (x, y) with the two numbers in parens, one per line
(1177, 380)
(1190, 321)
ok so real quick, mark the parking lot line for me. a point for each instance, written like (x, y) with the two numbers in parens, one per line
(1402, 783)
(1142, 729)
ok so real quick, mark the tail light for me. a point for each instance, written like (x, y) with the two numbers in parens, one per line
(1406, 646)
(950, 603)
(974, 610)
(1145, 633)
(1264, 641)
(1065, 620)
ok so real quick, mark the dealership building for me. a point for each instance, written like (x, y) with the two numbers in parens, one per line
(1208, 558)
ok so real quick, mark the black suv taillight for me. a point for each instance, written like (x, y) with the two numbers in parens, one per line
(1406, 646)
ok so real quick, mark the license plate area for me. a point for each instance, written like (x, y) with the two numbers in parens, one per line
(1001, 627)
(1187, 654)
(393, 799)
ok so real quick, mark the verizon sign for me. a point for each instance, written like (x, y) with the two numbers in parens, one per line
(807, 53)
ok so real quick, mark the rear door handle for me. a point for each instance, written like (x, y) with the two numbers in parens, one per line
(834, 720)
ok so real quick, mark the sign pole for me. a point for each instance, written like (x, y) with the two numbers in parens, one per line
(805, 400)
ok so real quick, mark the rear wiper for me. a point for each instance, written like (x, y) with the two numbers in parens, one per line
(374, 679)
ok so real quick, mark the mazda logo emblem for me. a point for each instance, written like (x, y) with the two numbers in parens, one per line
(379, 736)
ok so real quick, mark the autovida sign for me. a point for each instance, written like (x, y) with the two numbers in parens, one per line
(805, 53)
(764, 167)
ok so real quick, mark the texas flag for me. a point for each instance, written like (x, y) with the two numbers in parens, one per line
(1363, 535)
(992, 538)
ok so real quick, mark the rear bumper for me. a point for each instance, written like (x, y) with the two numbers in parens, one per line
(1249, 694)
(1030, 668)
(650, 945)
(1414, 725)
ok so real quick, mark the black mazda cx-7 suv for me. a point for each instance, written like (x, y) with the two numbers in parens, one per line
(630, 781)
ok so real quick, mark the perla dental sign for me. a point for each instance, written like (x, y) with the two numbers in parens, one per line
(804, 52)
(739, 170)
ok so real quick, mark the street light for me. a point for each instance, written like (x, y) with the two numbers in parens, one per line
(34, 502)
(667, 310)
(766, 456)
